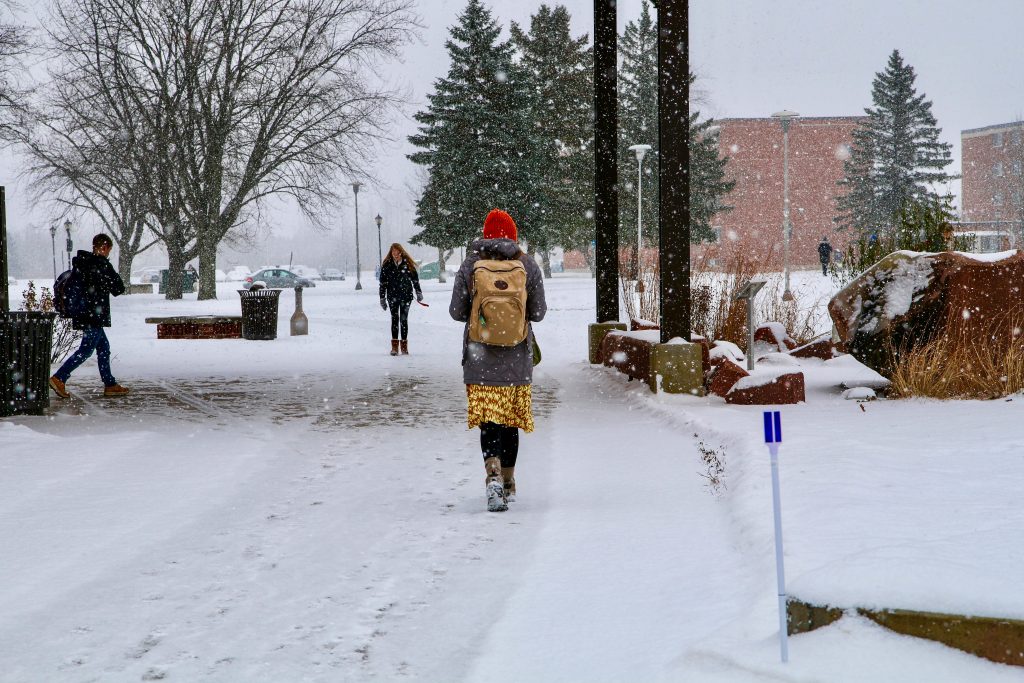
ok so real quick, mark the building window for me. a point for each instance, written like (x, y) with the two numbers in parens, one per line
(997, 169)
(1015, 137)
(1015, 197)
(997, 139)
(997, 199)
(1017, 167)
(718, 233)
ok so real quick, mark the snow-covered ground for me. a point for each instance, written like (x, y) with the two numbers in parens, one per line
(311, 509)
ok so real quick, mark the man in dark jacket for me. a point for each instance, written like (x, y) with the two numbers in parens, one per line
(824, 254)
(99, 281)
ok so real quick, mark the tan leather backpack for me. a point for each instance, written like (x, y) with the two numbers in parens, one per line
(498, 314)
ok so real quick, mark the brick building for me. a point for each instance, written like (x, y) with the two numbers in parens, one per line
(992, 190)
(817, 149)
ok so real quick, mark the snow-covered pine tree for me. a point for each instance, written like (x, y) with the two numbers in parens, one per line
(638, 124)
(476, 137)
(896, 157)
(559, 67)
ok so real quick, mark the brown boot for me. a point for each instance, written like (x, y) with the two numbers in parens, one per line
(508, 475)
(394, 347)
(405, 347)
(59, 388)
(115, 390)
(495, 486)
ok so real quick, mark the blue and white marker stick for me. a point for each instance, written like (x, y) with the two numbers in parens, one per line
(773, 437)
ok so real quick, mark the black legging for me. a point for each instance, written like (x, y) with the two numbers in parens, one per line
(499, 441)
(399, 318)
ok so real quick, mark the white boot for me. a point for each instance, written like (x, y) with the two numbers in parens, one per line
(496, 501)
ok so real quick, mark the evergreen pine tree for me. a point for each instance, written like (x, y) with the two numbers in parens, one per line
(560, 73)
(476, 138)
(638, 124)
(895, 156)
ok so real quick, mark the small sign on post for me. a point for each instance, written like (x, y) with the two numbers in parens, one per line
(747, 293)
(773, 437)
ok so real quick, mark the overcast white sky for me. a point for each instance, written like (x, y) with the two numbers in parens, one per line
(753, 57)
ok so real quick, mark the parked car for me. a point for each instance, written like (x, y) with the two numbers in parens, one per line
(430, 271)
(238, 273)
(278, 278)
(221, 276)
(306, 272)
(332, 274)
(145, 276)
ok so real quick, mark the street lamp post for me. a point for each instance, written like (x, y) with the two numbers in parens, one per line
(640, 151)
(380, 255)
(785, 117)
(53, 249)
(355, 191)
(67, 229)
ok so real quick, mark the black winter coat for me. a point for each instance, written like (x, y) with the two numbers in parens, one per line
(101, 280)
(501, 366)
(824, 251)
(397, 282)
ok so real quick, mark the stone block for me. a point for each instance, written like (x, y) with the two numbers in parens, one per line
(774, 334)
(637, 324)
(677, 369)
(784, 389)
(725, 377)
(819, 348)
(629, 352)
(596, 333)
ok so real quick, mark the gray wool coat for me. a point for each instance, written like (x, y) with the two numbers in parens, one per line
(488, 365)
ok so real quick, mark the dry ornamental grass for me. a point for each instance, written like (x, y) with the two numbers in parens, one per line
(963, 364)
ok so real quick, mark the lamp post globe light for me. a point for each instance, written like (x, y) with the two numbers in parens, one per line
(785, 117)
(70, 246)
(640, 151)
(380, 255)
(355, 191)
(53, 248)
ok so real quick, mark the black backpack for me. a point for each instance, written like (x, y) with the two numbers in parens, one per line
(69, 294)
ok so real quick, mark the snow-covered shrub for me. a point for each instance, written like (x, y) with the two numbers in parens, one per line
(65, 337)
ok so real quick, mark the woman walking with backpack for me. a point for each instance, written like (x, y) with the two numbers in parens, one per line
(398, 281)
(498, 292)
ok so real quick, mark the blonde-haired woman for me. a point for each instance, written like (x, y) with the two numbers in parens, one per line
(398, 281)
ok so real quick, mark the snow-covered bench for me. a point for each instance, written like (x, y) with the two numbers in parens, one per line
(198, 327)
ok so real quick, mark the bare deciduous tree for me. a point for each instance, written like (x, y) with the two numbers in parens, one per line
(223, 103)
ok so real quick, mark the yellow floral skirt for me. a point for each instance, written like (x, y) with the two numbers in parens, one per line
(510, 406)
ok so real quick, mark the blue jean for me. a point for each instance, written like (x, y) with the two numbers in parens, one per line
(93, 338)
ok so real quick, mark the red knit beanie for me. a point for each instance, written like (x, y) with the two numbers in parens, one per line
(500, 224)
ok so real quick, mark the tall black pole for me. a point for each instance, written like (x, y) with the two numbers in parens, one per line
(355, 193)
(673, 174)
(606, 171)
(5, 302)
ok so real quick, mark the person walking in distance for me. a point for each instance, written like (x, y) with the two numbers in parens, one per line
(498, 293)
(398, 281)
(98, 281)
(824, 254)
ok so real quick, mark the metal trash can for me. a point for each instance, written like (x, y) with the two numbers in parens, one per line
(26, 338)
(259, 313)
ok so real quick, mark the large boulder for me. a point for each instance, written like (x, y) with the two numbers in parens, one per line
(910, 298)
